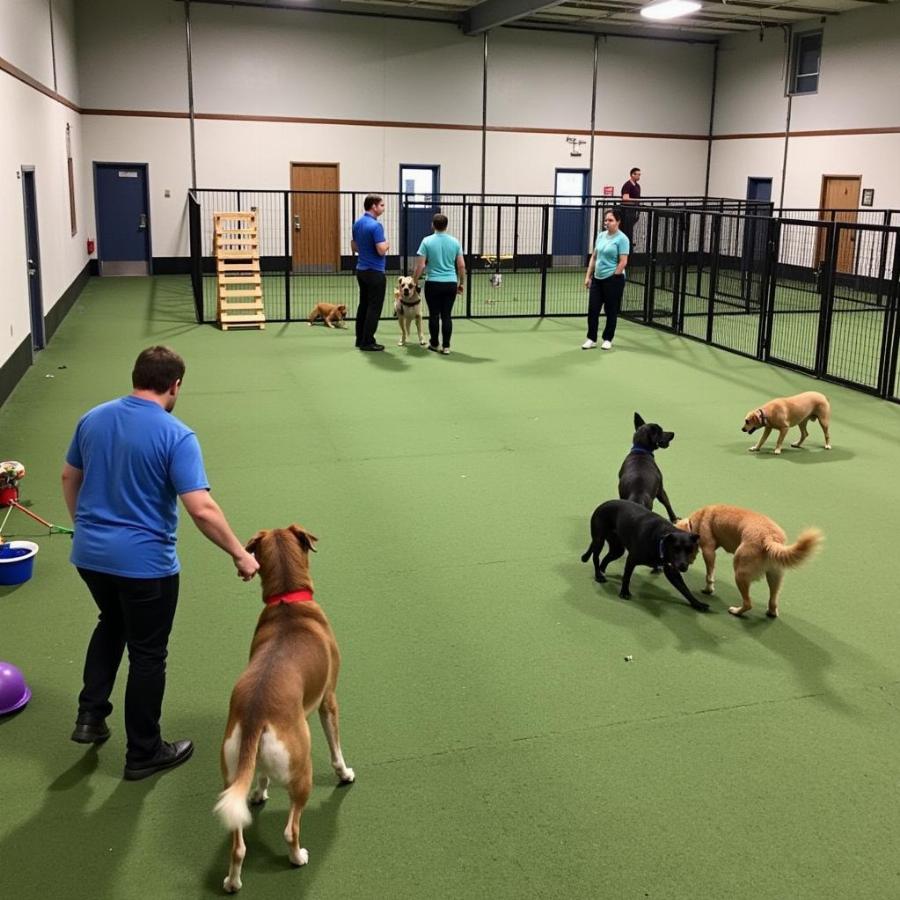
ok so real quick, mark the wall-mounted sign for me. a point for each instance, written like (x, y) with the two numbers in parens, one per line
(609, 190)
(868, 197)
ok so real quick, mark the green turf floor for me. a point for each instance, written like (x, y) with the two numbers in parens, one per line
(504, 747)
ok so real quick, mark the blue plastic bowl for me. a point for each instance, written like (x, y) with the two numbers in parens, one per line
(17, 561)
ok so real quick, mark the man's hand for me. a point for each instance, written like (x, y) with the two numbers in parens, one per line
(246, 565)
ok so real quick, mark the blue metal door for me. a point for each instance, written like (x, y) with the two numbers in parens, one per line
(571, 214)
(759, 189)
(33, 259)
(123, 232)
(420, 189)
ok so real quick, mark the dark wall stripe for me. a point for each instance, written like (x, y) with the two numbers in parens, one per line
(61, 308)
(14, 368)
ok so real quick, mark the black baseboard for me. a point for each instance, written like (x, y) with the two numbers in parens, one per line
(14, 368)
(171, 265)
(19, 362)
(61, 308)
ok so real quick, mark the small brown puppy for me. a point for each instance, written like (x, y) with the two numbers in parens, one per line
(293, 669)
(758, 545)
(408, 309)
(785, 413)
(329, 313)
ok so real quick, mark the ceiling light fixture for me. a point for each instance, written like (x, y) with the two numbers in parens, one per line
(669, 9)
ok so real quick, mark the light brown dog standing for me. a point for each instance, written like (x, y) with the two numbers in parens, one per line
(408, 309)
(786, 412)
(293, 669)
(329, 313)
(758, 545)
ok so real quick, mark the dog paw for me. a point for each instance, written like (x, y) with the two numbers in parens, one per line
(256, 797)
(401, 343)
(772, 615)
(299, 857)
(231, 885)
(828, 446)
(625, 595)
(600, 579)
(701, 607)
(736, 610)
(708, 590)
(796, 445)
(778, 451)
(346, 776)
(423, 342)
(752, 449)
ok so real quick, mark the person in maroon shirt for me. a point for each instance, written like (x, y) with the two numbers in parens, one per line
(631, 193)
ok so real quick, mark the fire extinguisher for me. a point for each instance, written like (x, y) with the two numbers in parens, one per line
(90, 245)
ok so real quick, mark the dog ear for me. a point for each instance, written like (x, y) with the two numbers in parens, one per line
(252, 544)
(304, 538)
(638, 421)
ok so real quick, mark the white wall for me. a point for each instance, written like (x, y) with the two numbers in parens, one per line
(858, 89)
(33, 133)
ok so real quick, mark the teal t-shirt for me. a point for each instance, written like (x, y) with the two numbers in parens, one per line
(608, 249)
(440, 251)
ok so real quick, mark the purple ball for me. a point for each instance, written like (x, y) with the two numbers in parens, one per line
(14, 692)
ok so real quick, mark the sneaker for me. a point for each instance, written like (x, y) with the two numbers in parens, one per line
(606, 345)
(90, 730)
(588, 344)
(167, 757)
(445, 351)
(434, 349)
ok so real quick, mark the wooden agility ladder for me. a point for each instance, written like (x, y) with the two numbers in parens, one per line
(238, 281)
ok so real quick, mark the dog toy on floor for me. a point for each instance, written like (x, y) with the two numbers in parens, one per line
(11, 473)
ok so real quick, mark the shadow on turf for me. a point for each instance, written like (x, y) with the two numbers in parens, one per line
(816, 456)
(266, 847)
(60, 866)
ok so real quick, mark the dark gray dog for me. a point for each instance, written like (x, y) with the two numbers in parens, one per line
(648, 539)
(640, 479)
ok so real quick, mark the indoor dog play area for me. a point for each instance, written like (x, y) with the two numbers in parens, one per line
(545, 690)
(513, 725)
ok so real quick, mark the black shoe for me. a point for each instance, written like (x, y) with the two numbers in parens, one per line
(434, 349)
(90, 730)
(167, 757)
(372, 347)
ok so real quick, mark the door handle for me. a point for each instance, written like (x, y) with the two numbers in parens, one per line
(142, 222)
(296, 223)
(31, 267)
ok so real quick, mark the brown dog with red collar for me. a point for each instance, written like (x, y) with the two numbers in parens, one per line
(786, 412)
(329, 313)
(293, 669)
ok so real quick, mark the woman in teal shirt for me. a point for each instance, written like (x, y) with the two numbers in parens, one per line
(605, 279)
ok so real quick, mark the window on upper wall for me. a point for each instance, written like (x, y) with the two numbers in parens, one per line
(806, 61)
(71, 172)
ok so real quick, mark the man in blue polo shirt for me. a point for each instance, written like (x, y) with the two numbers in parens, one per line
(128, 463)
(371, 248)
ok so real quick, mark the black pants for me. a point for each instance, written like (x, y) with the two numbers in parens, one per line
(605, 293)
(372, 286)
(135, 613)
(440, 297)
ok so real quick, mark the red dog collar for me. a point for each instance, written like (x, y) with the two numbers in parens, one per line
(290, 597)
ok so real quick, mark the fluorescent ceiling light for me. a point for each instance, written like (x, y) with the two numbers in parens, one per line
(669, 9)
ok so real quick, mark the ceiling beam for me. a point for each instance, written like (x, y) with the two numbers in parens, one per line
(493, 13)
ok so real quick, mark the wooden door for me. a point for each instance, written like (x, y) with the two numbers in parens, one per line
(839, 203)
(315, 218)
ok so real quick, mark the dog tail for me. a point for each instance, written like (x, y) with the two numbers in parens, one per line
(797, 553)
(232, 806)
(587, 553)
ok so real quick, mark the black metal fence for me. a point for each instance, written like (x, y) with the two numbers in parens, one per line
(815, 293)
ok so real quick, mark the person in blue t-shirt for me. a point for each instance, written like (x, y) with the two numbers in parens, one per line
(371, 247)
(127, 465)
(440, 257)
(605, 279)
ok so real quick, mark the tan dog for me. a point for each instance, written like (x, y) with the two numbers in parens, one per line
(758, 545)
(785, 413)
(408, 308)
(329, 313)
(293, 669)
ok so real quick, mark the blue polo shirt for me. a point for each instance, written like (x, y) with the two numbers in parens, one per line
(136, 459)
(440, 251)
(367, 232)
(608, 249)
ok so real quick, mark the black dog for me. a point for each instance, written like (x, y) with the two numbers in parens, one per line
(640, 479)
(648, 539)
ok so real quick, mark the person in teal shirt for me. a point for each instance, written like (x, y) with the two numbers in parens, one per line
(441, 259)
(605, 279)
